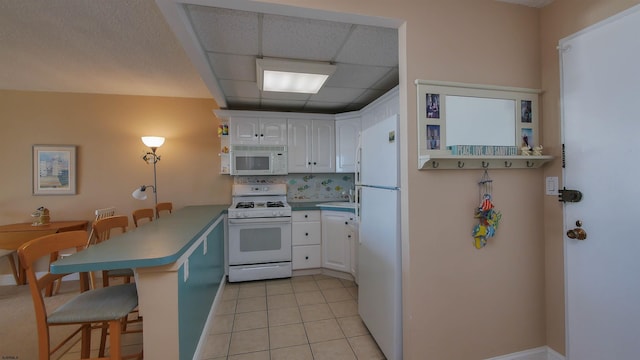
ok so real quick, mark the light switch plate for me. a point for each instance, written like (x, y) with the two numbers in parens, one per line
(551, 185)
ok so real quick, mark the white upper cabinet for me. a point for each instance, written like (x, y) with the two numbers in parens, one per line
(256, 130)
(347, 132)
(311, 146)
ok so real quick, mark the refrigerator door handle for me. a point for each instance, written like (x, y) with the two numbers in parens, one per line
(358, 208)
(358, 160)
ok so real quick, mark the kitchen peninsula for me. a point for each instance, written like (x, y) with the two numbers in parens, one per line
(179, 265)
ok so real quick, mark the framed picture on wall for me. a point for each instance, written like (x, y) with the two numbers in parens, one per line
(433, 137)
(433, 106)
(54, 170)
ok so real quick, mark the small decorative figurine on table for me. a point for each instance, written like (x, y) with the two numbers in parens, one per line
(488, 216)
(525, 150)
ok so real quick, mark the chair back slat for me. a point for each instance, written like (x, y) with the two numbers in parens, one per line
(141, 214)
(102, 227)
(163, 206)
(101, 213)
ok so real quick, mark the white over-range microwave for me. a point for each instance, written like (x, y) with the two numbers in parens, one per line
(258, 159)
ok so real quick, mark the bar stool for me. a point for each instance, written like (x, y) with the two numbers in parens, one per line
(109, 306)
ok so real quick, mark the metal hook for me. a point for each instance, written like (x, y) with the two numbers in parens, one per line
(530, 164)
(507, 164)
(460, 164)
(435, 164)
(485, 165)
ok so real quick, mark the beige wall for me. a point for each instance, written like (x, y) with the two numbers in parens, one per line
(462, 303)
(559, 20)
(107, 130)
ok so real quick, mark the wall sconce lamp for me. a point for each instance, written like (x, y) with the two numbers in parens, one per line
(150, 157)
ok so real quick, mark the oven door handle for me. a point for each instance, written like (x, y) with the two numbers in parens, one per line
(281, 220)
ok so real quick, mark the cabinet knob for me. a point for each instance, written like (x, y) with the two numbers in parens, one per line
(315, 163)
(255, 135)
(261, 135)
(306, 258)
(309, 163)
(346, 223)
(349, 236)
(306, 216)
(306, 234)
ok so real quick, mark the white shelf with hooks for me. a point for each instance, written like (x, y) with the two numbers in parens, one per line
(459, 162)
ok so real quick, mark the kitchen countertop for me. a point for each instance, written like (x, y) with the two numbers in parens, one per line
(159, 242)
(319, 205)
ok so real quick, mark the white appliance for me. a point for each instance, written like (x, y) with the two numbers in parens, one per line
(259, 222)
(379, 252)
(258, 159)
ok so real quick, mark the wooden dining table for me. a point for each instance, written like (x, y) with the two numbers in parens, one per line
(12, 236)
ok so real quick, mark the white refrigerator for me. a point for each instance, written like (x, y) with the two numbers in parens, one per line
(379, 254)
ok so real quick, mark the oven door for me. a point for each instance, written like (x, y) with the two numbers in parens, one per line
(259, 240)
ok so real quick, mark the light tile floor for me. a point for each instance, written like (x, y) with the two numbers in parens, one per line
(303, 318)
(311, 317)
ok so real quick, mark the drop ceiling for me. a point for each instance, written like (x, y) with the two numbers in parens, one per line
(203, 49)
(231, 40)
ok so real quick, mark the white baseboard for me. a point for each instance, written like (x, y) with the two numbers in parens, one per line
(540, 353)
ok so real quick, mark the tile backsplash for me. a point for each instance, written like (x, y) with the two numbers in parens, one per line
(307, 187)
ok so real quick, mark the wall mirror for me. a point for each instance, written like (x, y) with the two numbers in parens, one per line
(451, 115)
(470, 126)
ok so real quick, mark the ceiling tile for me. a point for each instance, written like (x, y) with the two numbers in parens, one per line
(300, 38)
(368, 96)
(388, 81)
(225, 30)
(356, 76)
(370, 45)
(233, 67)
(344, 95)
(243, 89)
(272, 95)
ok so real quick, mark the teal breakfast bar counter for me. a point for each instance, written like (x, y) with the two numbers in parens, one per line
(178, 260)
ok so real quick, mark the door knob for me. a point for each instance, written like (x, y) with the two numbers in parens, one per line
(577, 233)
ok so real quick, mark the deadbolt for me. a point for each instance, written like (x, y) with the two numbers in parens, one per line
(577, 233)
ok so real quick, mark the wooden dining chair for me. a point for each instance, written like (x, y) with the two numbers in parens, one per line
(142, 214)
(163, 206)
(12, 263)
(102, 229)
(107, 306)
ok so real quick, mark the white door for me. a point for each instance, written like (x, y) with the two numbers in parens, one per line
(600, 95)
(335, 242)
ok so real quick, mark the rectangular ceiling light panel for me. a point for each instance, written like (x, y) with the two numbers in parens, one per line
(292, 75)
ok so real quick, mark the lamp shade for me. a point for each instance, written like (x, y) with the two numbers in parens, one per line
(153, 141)
(139, 193)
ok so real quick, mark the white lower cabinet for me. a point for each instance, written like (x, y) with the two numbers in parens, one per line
(306, 257)
(336, 240)
(306, 239)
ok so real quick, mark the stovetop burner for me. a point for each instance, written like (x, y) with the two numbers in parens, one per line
(259, 201)
(275, 204)
(245, 205)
